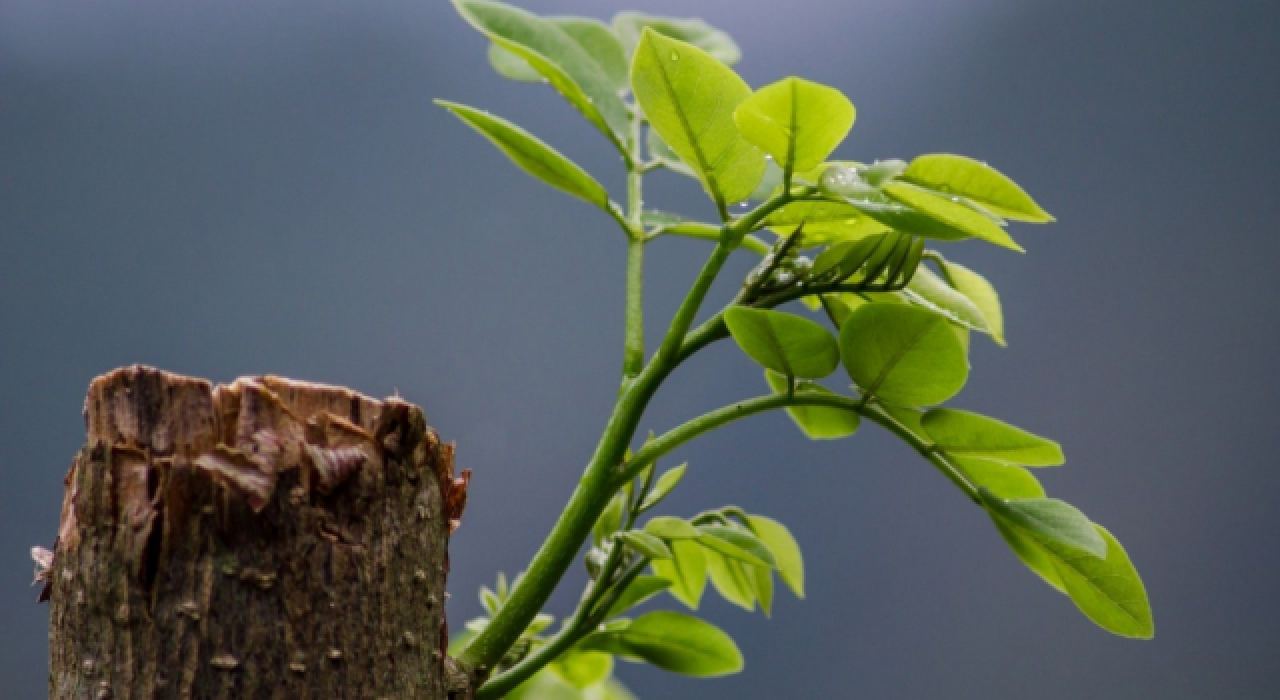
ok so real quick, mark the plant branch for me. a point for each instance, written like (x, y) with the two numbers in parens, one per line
(664, 444)
(598, 485)
(709, 232)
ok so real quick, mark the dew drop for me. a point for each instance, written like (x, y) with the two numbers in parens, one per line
(675, 55)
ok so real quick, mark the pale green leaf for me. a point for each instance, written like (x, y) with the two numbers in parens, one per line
(952, 213)
(932, 292)
(785, 549)
(510, 66)
(816, 422)
(673, 642)
(736, 543)
(732, 581)
(971, 179)
(903, 355)
(1108, 591)
(611, 689)
(785, 343)
(770, 183)
(582, 669)
(671, 528)
(980, 292)
(534, 156)
(663, 486)
(645, 544)
(689, 98)
(631, 25)
(557, 57)
(545, 685)
(973, 436)
(762, 582)
(1047, 521)
(611, 519)
(600, 42)
(686, 570)
(882, 171)
(1003, 480)
(640, 590)
(661, 152)
(1030, 552)
(797, 122)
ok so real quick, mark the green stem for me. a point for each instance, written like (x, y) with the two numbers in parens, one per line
(633, 357)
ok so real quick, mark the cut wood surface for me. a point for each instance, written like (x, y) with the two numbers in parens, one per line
(269, 538)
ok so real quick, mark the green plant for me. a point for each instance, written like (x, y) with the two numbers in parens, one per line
(849, 244)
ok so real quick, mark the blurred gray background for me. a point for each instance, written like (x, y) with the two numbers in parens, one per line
(244, 187)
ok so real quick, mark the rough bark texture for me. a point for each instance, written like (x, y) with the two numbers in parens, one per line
(264, 539)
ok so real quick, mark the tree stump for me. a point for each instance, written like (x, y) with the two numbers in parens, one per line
(264, 539)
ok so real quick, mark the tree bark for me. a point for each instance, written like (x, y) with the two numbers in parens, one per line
(264, 539)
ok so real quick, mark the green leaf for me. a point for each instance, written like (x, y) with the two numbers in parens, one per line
(786, 551)
(976, 181)
(732, 581)
(556, 56)
(489, 601)
(686, 570)
(980, 292)
(816, 422)
(670, 528)
(534, 156)
(511, 66)
(689, 98)
(903, 355)
(770, 182)
(882, 171)
(932, 292)
(785, 343)
(952, 213)
(762, 581)
(611, 689)
(810, 212)
(645, 544)
(600, 42)
(610, 519)
(736, 543)
(973, 436)
(1108, 590)
(1047, 521)
(662, 488)
(900, 217)
(596, 38)
(797, 122)
(582, 669)
(1031, 553)
(673, 642)
(631, 25)
(1003, 480)
(661, 152)
(641, 589)
(545, 685)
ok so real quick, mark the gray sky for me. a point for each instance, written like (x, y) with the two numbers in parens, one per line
(240, 187)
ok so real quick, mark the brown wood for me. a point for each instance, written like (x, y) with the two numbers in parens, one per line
(264, 539)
